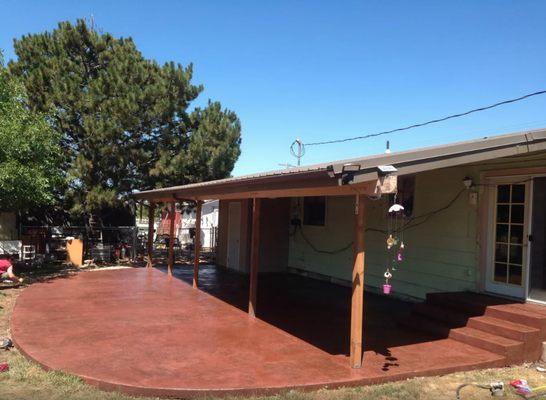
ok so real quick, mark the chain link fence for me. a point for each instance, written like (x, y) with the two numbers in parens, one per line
(111, 244)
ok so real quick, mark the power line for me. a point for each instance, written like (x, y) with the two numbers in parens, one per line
(434, 121)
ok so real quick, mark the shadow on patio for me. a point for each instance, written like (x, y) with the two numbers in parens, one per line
(315, 311)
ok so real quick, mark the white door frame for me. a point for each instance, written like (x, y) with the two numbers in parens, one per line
(530, 244)
(491, 286)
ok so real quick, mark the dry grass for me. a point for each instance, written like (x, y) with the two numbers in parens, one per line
(26, 380)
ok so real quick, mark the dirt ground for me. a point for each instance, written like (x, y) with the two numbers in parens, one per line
(26, 380)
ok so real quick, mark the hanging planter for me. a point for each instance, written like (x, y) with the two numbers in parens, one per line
(386, 286)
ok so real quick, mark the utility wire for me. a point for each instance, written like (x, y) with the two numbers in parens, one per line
(434, 121)
(408, 225)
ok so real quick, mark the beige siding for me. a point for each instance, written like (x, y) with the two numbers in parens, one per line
(273, 234)
(223, 220)
(275, 215)
(441, 254)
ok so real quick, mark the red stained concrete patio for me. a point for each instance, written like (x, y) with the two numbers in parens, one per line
(140, 332)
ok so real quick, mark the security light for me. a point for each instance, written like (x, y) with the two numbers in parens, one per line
(383, 170)
(348, 173)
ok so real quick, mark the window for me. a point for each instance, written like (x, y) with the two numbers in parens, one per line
(314, 210)
(509, 228)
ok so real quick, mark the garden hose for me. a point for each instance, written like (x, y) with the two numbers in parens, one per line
(495, 388)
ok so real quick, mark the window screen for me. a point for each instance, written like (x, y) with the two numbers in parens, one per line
(314, 210)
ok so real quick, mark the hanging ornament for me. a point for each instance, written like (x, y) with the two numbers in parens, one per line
(395, 208)
(399, 257)
(390, 242)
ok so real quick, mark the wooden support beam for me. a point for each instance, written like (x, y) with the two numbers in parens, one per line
(150, 246)
(357, 299)
(254, 256)
(236, 192)
(197, 243)
(170, 264)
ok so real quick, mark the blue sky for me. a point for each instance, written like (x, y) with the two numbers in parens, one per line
(325, 70)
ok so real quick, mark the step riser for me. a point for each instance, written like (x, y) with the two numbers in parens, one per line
(469, 308)
(513, 316)
(513, 354)
(536, 308)
(503, 331)
(421, 324)
(473, 319)
(443, 315)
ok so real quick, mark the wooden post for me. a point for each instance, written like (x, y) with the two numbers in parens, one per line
(357, 299)
(254, 256)
(197, 244)
(170, 263)
(150, 247)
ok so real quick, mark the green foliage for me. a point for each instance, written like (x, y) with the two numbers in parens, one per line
(124, 120)
(29, 154)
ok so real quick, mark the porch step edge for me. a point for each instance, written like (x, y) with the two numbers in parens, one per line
(505, 328)
(513, 350)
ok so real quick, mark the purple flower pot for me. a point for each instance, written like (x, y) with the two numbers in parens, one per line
(387, 289)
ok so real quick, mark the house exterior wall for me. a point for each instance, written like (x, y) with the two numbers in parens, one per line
(273, 234)
(221, 248)
(442, 253)
(223, 221)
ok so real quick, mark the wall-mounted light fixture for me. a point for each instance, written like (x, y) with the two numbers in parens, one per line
(468, 182)
(348, 173)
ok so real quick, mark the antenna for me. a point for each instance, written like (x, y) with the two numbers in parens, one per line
(286, 165)
(297, 149)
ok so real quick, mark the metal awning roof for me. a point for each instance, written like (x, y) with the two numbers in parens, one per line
(324, 178)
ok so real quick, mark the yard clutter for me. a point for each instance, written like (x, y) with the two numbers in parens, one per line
(6, 344)
(497, 389)
(6, 270)
(74, 250)
(524, 390)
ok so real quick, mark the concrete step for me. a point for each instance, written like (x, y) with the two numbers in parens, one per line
(456, 302)
(519, 315)
(473, 304)
(505, 328)
(424, 324)
(513, 350)
(533, 307)
(447, 316)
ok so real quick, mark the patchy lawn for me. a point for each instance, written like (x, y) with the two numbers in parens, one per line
(26, 380)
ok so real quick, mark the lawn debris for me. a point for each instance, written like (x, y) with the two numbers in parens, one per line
(4, 367)
(525, 391)
(521, 386)
(6, 344)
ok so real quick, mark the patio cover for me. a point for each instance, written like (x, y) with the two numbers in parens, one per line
(325, 178)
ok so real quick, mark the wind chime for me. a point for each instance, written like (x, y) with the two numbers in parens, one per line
(395, 242)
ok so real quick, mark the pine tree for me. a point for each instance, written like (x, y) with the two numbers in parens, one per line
(124, 120)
